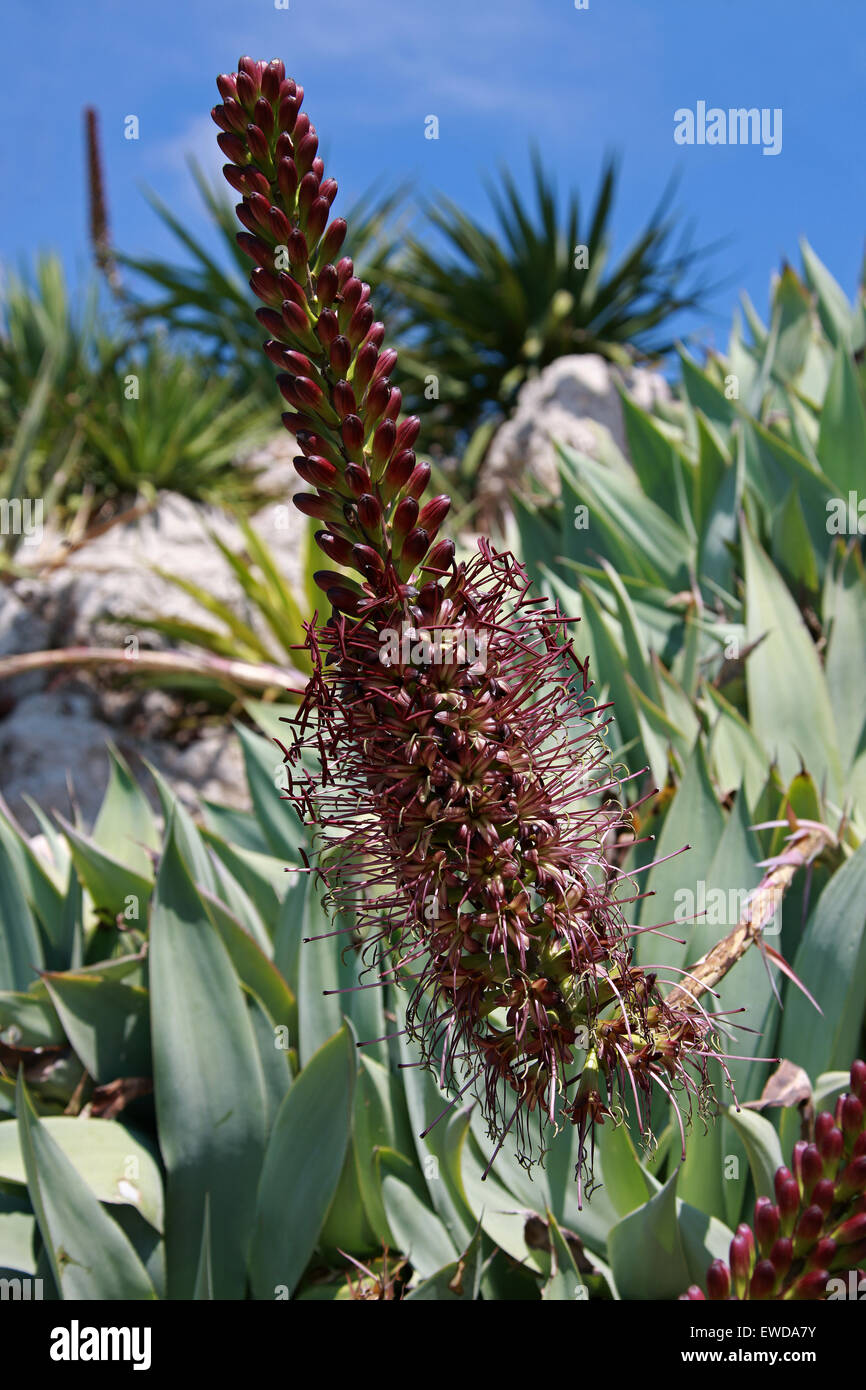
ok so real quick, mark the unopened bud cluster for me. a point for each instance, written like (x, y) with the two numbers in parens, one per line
(816, 1227)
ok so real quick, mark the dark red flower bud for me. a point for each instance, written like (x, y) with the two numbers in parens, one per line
(433, 513)
(766, 1224)
(358, 479)
(851, 1119)
(335, 547)
(359, 323)
(763, 1280)
(417, 484)
(258, 145)
(256, 249)
(242, 180)
(328, 189)
(822, 1254)
(276, 353)
(326, 327)
(287, 113)
(415, 547)
(316, 221)
(305, 150)
(308, 190)
(220, 117)
(314, 445)
(280, 227)
(693, 1295)
(823, 1194)
(852, 1179)
(344, 399)
(272, 321)
(233, 148)
(318, 167)
(345, 270)
(811, 1285)
(340, 355)
(272, 77)
(441, 557)
(399, 470)
(246, 91)
(395, 404)
(351, 293)
(318, 472)
(326, 285)
(377, 399)
(376, 335)
(295, 319)
(781, 1255)
(741, 1257)
(352, 432)
(367, 560)
(808, 1229)
(344, 600)
(328, 579)
(227, 86)
(407, 432)
(245, 216)
(405, 516)
(253, 68)
(386, 362)
(823, 1125)
(263, 117)
(365, 366)
(318, 507)
(334, 238)
(302, 126)
(383, 442)
(854, 1229)
(370, 513)
(287, 178)
(787, 1198)
(266, 286)
(831, 1147)
(297, 248)
(261, 209)
(718, 1281)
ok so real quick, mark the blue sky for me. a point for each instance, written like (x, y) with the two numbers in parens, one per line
(497, 73)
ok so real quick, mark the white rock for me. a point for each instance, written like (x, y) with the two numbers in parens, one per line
(574, 401)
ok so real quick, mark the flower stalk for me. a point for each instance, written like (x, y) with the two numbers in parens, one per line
(464, 806)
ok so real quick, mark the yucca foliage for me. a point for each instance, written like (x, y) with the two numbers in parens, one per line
(483, 310)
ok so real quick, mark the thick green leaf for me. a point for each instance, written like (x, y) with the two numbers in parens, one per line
(20, 947)
(842, 440)
(117, 1165)
(789, 702)
(302, 1167)
(762, 1147)
(107, 1022)
(116, 889)
(418, 1231)
(831, 960)
(210, 1102)
(657, 1251)
(90, 1256)
(125, 828)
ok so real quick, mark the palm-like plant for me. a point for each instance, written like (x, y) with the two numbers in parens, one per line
(499, 305)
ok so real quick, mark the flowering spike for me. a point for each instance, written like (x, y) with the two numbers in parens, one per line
(464, 773)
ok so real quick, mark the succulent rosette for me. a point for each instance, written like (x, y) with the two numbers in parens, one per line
(465, 807)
